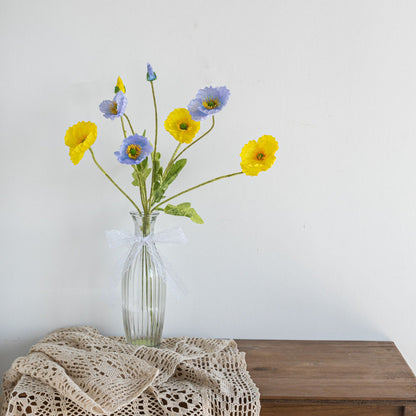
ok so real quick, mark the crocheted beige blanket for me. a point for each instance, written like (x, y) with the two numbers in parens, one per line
(78, 372)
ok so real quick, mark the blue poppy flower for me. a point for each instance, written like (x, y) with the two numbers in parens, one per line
(151, 76)
(208, 101)
(114, 108)
(134, 150)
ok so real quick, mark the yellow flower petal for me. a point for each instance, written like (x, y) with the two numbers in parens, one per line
(79, 138)
(120, 85)
(75, 155)
(181, 126)
(258, 156)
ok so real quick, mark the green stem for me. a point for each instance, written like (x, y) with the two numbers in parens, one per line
(198, 139)
(155, 148)
(122, 126)
(112, 181)
(197, 186)
(142, 188)
(165, 173)
(143, 274)
(131, 127)
(172, 159)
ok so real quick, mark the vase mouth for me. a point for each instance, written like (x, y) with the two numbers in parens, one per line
(136, 214)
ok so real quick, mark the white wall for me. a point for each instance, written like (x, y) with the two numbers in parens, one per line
(322, 246)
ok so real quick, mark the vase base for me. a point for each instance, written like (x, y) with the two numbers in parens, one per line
(145, 342)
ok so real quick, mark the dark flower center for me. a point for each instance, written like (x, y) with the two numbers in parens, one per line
(113, 108)
(183, 126)
(260, 156)
(133, 151)
(211, 103)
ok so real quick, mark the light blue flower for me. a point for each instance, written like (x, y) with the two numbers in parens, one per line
(134, 150)
(151, 76)
(208, 101)
(114, 108)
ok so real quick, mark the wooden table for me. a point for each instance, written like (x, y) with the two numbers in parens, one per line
(330, 378)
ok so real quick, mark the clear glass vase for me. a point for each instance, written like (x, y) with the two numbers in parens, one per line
(143, 286)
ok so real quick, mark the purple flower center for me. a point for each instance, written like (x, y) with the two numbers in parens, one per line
(211, 103)
(133, 151)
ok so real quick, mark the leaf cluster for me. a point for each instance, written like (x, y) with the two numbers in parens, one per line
(162, 180)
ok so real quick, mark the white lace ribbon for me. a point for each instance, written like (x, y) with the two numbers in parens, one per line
(134, 243)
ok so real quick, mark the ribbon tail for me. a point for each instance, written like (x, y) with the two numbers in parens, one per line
(118, 238)
(174, 282)
(171, 236)
(165, 270)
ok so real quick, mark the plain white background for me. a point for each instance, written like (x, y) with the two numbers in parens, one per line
(322, 246)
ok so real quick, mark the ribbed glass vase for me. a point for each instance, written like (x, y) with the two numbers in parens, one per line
(143, 286)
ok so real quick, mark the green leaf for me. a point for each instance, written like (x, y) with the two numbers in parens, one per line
(143, 169)
(157, 168)
(140, 171)
(144, 163)
(184, 210)
(159, 189)
(135, 175)
(146, 173)
(174, 171)
(158, 192)
(116, 89)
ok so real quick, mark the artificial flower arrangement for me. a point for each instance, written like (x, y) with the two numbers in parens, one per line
(183, 124)
(144, 276)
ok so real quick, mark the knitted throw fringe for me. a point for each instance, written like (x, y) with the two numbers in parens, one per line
(78, 372)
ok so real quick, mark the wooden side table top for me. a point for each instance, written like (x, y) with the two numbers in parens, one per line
(309, 375)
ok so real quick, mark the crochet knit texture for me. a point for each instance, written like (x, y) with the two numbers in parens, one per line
(78, 372)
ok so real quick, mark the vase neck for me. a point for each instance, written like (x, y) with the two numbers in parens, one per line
(144, 224)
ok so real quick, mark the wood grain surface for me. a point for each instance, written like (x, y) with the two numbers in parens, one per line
(335, 410)
(323, 378)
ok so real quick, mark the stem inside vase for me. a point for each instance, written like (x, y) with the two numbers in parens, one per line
(143, 286)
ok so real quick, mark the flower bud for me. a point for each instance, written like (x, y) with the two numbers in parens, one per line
(151, 76)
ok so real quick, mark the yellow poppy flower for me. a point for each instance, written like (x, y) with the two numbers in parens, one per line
(181, 125)
(258, 156)
(120, 86)
(79, 138)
